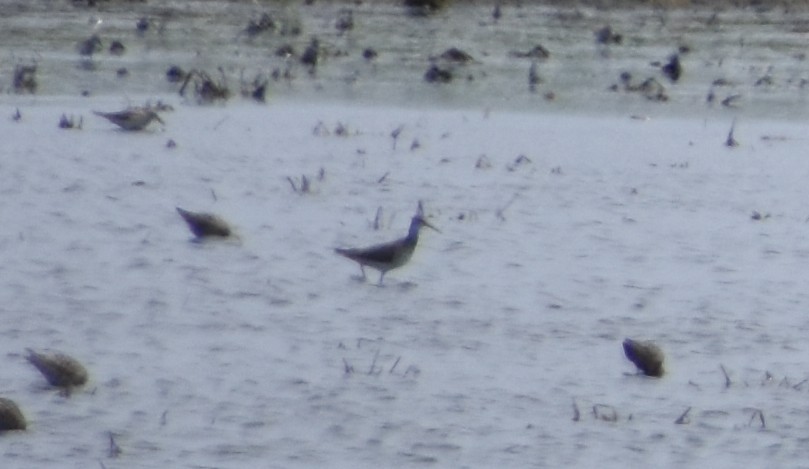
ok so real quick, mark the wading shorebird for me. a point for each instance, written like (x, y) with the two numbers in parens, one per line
(645, 355)
(388, 256)
(136, 118)
(205, 225)
(11, 417)
(60, 370)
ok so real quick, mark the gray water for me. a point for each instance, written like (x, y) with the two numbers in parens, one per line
(499, 341)
(754, 57)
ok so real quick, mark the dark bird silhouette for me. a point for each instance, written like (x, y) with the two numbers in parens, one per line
(645, 355)
(11, 417)
(136, 118)
(60, 370)
(205, 225)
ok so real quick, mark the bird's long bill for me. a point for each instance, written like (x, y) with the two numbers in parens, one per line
(428, 225)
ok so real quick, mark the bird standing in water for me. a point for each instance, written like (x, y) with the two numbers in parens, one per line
(388, 256)
(136, 118)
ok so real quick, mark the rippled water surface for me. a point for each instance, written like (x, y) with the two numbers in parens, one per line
(499, 344)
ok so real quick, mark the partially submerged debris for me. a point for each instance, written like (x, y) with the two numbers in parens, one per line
(345, 21)
(175, 74)
(90, 46)
(206, 89)
(257, 89)
(673, 69)
(117, 48)
(256, 27)
(436, 74)
(537, 52)
(66, 122)
(311, 54)
(650, 88)
(425, 7)
(606, 35)
(455, 55)
(25, 80)
(731, 140)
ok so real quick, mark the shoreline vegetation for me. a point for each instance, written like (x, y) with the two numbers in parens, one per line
(618, 4)
(759, 5)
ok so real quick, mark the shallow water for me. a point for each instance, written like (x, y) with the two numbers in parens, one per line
(756, 57)
(267, 351)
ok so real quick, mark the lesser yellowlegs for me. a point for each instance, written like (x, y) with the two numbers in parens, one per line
(388, 256)
(136, 118)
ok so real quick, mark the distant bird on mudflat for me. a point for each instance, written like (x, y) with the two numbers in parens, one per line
(391, 255)
(646, 355)
(205, 225)
(136, 118)
(61, 371)
(11, 417)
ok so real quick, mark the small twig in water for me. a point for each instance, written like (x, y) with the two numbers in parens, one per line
(382, 179)
(398, 359)
(683, 419)
(576, 413)
(519, 161)
(500, 211)
(411, 369)
(760, 415)
(797, 386)
(378, 219)
(395, 134)
(348, 369)
(292, 183)
(372, 370)
(483, 163)
(612, 416)
(221, 121)
(727, 378)
(731, 142)
(114, 450)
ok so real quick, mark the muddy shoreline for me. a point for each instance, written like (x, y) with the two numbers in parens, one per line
(530, 56)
